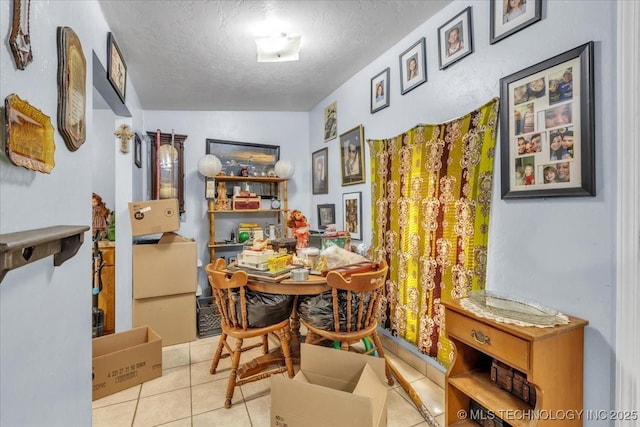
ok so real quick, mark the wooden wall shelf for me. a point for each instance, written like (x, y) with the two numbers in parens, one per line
(23, 247)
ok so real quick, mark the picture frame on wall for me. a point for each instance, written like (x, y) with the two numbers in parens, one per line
(352, 214)
(413, 66)
(352, 156)
(320, 168)
(116, 68)
(247, 159)
(326, 215)
(455, 39)
(507, 17)
(547, 127)
(137, 151)
(380, 91)
(331, 122)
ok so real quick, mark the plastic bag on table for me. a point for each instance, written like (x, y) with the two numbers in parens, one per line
(334, 256)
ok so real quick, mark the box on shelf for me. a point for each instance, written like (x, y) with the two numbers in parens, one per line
(167, 266)
(246, 203)
(173, 317)
(125, 359)
(352, 385)
(154, 216)
(209, 318)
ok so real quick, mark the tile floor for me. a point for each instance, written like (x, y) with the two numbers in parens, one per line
(187, 395)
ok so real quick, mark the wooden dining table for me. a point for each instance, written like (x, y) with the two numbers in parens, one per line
(314, 285)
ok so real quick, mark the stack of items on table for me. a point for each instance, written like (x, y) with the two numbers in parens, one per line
(165, 272)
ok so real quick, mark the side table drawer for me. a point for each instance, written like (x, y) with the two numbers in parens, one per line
(508, 348)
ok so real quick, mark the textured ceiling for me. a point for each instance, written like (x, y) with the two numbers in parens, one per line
(201, 55)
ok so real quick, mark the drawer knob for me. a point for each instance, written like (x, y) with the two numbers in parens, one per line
(479, 337)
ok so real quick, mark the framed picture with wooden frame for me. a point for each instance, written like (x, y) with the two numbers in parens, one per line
(352, 214)
(510, 16)
(455, 39)
(320, 166)
(547, 127)
(116, 68)
(352, 156)
(413, 66)
(326, 215)
(380, 91)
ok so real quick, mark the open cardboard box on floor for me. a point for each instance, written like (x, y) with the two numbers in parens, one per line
(333, 387)
(125, 359)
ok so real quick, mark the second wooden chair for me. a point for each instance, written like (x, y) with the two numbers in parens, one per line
(348, 313)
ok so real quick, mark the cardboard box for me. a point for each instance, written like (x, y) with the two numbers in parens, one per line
(154, 216)
(333, 387)
(173, 317)
(125, 359)
(167, 266)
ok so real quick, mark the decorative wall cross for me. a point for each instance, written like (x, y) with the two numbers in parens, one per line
(125, 133)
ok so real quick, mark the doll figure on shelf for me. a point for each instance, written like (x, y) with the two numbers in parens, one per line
(101, 215)
(299, 226)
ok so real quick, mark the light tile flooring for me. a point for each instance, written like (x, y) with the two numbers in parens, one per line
(187, 395)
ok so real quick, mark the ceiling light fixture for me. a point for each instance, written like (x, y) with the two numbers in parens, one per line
(278, 48)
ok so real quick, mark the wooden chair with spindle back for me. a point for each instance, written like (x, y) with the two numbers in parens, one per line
(354, 306)
(232, 298)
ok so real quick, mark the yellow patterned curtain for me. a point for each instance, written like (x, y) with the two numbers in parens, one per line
(431, 194)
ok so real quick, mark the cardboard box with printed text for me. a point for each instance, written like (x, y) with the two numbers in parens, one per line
(125, 359)
(154, 216)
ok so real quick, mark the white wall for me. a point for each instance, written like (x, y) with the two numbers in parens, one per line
(560, 252)
(45, 311)
(103, 157)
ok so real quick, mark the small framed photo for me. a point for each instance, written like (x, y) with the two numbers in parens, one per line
(352, 156)
(380, 91)
(326, 216)
(330, 122)
(455, 39)
(547, 128)
(413, 66)
(510, 16)
(352, 214)
(320, 167)
(137, 151)
(116, 68)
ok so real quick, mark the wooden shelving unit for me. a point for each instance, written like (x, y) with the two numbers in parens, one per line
(281, 213)
(551, 358)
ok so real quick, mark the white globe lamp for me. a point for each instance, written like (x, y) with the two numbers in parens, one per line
(284, 169)
(209, 165)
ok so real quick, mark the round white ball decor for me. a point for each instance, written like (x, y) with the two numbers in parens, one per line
(284, 169)
(209, 165)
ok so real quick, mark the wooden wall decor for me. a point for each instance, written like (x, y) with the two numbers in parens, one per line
(72, 92)
(29, 135)
(20, 40)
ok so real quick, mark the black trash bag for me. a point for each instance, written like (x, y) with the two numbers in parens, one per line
(317, 310)
(264, 309)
